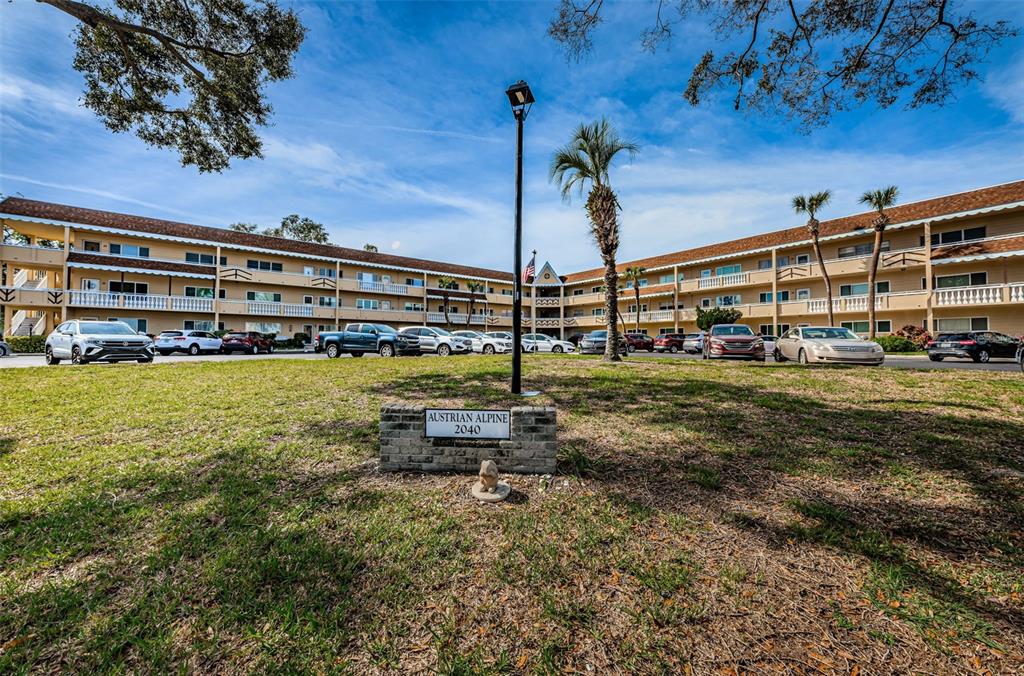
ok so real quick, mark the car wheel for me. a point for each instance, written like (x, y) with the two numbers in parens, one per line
(255, 349)
(332, 351)
(557, 349)
(146, 360)
(443, 350)
(270, 349)
(193, 349)
(983, 357)
(630, 348)
(50, 359)
(802, 356)
(76, 355)
(934, 357)
(387, 350)
(673, 349)
(488, 349)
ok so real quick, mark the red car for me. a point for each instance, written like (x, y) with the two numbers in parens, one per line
(733, 340)
(639, 341)
(252, 342)
(669, 342)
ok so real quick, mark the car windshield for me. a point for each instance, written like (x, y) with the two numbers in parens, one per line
(495, 335)
(468, 334)
(384, 328)
(830, 333)
(599, 334)
(737, 330)
(441, 332)
(170, 333)
(106, 328)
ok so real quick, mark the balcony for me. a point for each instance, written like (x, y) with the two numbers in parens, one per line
(248, 275)
(993, 294)
(907, 300)
(31, 256)
(131, 301)
(381, 287)
(458, 319)
(547, 302)
(723, 281)
(17, 296)
(654, 316)
(584, 299)
(270, 309)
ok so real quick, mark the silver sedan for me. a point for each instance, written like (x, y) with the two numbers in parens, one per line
(827, 344)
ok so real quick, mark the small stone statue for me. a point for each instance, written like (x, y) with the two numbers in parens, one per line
(488, 476)
(488, 488)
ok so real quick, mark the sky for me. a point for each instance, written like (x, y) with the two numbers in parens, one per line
(396, 131)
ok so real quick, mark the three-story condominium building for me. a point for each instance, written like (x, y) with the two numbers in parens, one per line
(950, 263)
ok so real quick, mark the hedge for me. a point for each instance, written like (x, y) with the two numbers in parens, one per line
(896, 344)
(27, 344)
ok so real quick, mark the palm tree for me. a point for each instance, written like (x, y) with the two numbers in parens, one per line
(474, 288)
(879, 200)
(634, 275)
(587, 159)
(444, 284)
(810, 205)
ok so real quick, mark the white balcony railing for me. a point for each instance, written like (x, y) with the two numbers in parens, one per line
(455, 318)
(94, 299)
(970, 295)
(385, 287)
(723, 280)
(144, 302)
(191, 304)
(653, 316)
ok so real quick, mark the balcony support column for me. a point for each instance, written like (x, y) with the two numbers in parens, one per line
(675, 299)
(66, 275)
(561, 312)
(929, 313)
(775, 291)
(8, 319)
(216, 293)
(337, 295)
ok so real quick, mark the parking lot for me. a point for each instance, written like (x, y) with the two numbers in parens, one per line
(891, 361)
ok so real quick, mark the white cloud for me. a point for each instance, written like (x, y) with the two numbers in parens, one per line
(396, 245)
(1006, 88)
(17, 92)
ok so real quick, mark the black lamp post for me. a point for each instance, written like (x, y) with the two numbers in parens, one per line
(521, 98)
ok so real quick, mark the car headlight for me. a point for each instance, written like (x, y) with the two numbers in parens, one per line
(715, 341)
(92, 341)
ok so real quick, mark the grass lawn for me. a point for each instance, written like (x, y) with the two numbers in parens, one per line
(225, 517)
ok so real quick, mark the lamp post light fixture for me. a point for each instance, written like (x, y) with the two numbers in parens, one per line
(521, 98)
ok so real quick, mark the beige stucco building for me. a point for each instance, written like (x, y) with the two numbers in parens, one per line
(949, 263)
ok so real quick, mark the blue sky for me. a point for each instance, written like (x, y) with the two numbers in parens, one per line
(396, 131)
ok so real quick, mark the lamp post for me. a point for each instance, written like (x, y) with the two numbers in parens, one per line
(521, 98)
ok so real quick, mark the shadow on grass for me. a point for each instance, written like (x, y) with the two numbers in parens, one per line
(7, 445)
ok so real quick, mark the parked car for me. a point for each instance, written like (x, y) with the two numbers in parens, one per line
(735, 341)
(507, 335)
(769, 343)
(639, 341)
(809, 344)
(252, 342)
(545, 343)
(485, 344)
(694, 343)
(1020, 356)
(433, 339)
(670, 342)
(595, 341)
(359, 339)
(193, 342)
(5, 349)
(83, 341)
(981, 346)
(576, 338)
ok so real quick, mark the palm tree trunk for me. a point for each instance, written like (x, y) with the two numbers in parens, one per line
(636, 288)
(828, 281)
(611, 280)
(469, 317)
(872, 273)
(444, 307)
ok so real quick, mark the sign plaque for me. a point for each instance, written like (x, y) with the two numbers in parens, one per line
(459, 423)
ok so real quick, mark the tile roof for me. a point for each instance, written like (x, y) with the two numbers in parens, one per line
(931, 208)
(141, 263)
(60, 212)
(980, 248)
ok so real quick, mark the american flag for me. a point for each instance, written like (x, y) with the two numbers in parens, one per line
(531, 268)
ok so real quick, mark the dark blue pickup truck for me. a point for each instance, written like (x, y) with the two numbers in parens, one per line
(358, 339)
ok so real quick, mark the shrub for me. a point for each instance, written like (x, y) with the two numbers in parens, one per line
(915, 334)
(301, 337)
(717, 315)
(896, 344)
(27, 344)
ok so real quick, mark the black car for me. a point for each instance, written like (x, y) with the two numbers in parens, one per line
(1020, 356)
(594, 342)
(981, 346)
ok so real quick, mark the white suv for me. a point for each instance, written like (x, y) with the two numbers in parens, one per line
(507, 335)
(193, 342)
(486, 344)
(438, 340)
(545, 343)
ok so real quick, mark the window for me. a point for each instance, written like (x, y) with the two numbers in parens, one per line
(705, 273)
(705, 302)
(90, 285)
(862, 289)
(764, 329)
(803, 259)
(412, 281)
(198, 292)
(666, 329)
(307, 300)
(764, 297)
(265, 266)
(728, 269)
(140, 288)
(596, 289)
(264, 296)
(371, 304)
(643, 283)
(783, 296)
(326, 301)
(666, 279)
(782, 261)
(860, 250)
(197, 325)
(138, 325)
(506, 292)
(204, 259)
(803, 294)
(91, 246)
(765, 264)
(130, 250)
(962, 324)
(881, 326)
(954, 236)
(966, 279)
(264, 327)
(665, 306)
(597, 312)
(632, 308)
(728, 300)
(414, 307)
(578, 292)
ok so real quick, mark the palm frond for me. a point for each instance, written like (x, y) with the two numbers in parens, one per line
(881, 199)
(587, 158)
